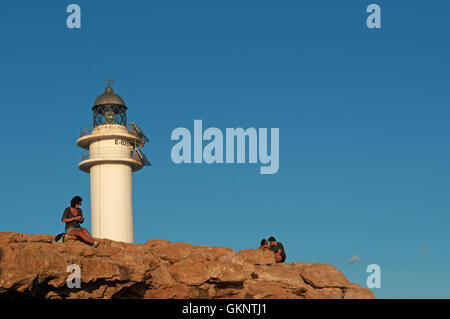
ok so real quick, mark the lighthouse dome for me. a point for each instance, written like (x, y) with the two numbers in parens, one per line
(109, 97)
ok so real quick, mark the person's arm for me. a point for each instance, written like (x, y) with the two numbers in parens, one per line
(278, 252)
(67, 220)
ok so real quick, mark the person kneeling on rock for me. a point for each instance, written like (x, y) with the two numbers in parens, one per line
(73, 217)
(264, 245)
(278, 250)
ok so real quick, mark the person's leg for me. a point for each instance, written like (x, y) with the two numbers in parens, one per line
(81, 235)
(86, 233)
(278, 258)
(74, 232)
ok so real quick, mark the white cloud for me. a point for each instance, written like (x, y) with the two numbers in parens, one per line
(355, 259)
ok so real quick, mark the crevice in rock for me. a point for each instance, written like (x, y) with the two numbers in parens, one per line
(301, 292)
(135, 291)
(36, 291)
(310, 283)
(344, 291)
(227, 284)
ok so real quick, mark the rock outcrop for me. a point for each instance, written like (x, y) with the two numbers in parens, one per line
(34, 266)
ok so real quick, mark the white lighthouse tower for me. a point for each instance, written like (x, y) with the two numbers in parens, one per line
(114, 152)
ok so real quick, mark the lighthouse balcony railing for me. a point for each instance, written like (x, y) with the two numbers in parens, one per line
(87, 130)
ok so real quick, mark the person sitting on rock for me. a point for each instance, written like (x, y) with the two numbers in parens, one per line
(264, 245)
(278, 250)
(73, 217)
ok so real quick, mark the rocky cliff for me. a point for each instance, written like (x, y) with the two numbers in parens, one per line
(33, 266)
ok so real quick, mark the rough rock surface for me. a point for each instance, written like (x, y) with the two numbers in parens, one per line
(33, 266)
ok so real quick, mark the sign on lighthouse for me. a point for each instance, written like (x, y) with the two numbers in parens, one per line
(114, 153)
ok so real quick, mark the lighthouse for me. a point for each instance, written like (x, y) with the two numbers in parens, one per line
(113, 152)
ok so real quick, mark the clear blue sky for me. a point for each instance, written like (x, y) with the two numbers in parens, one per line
(363, 116)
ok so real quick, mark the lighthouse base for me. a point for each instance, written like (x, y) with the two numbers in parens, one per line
(111, 202)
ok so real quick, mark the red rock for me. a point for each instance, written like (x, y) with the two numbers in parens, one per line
(257, 256)
(190, 272)
(320, 275)
(31, 265)
(357, 292)
(325, 293)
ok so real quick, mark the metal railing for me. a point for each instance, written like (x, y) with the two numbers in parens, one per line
(135, 152)
(87, 130)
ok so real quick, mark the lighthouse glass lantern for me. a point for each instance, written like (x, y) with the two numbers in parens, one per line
(109, 109)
